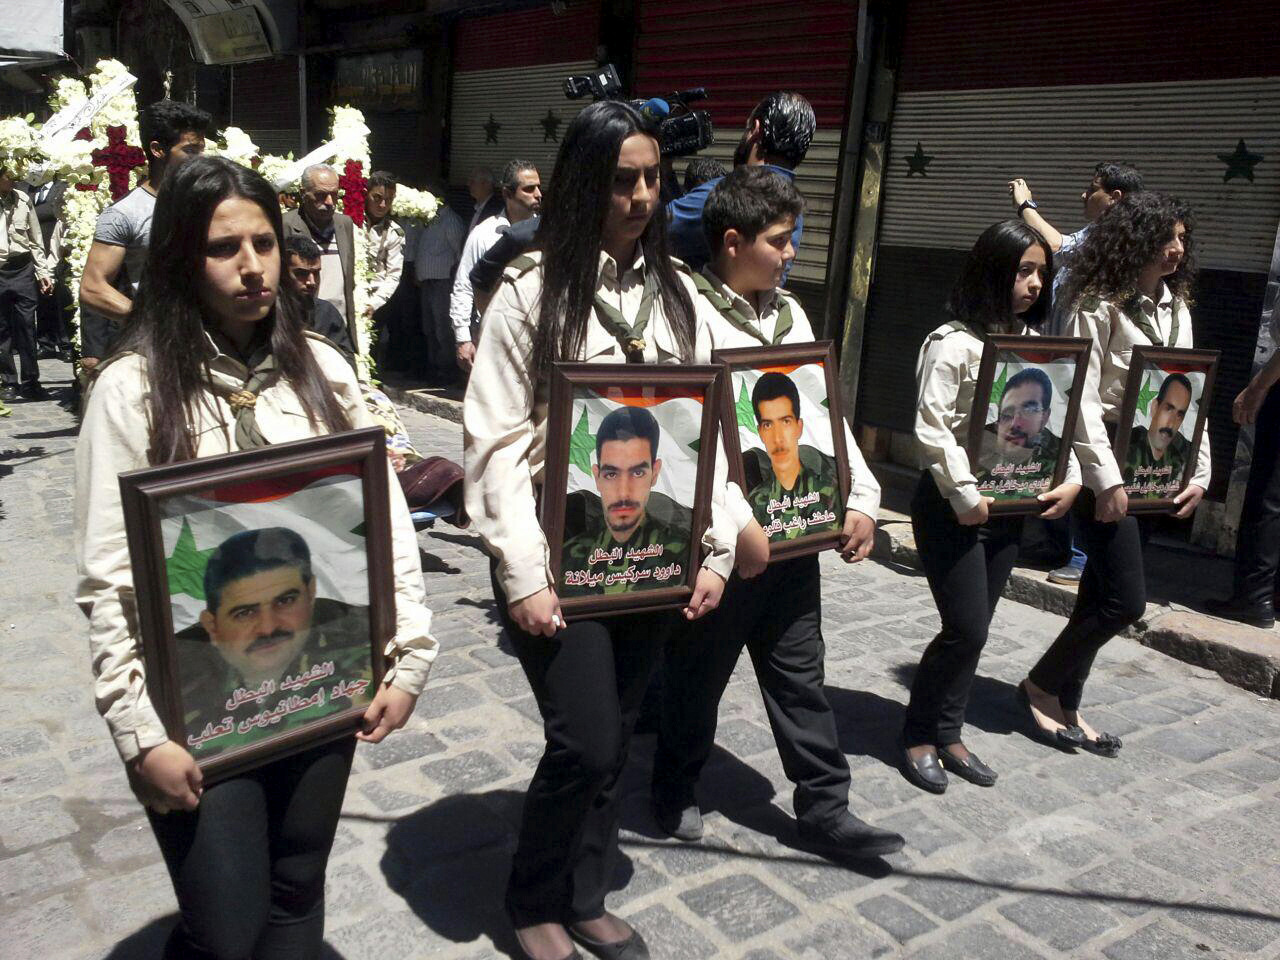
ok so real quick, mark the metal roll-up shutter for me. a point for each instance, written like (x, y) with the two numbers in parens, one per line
(1190, 104)
(507, 97)
(265, 104)
(741, 50)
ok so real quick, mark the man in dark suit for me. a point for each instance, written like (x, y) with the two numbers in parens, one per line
(302, 273)
(53, 338)
(334, 233)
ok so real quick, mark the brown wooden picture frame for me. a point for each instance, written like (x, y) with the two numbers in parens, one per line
(142, 492)
(1039, 347)
(1143, 355)
(755, 358)
(599, 377)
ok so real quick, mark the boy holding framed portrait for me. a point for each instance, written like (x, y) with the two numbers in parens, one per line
(807, 488)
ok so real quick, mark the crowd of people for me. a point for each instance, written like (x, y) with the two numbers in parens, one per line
(199, 288)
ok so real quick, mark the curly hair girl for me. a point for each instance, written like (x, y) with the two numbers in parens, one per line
(1126, 239)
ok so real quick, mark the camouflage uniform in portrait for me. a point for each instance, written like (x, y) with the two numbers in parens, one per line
(339, 634)
(817, 475)
(665, 523)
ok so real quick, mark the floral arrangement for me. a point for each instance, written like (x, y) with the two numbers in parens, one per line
(19, 146)
(417, 205)
(235, 144)
(349, 137)
(98, 162)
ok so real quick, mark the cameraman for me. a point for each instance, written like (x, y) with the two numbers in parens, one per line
(778, 134)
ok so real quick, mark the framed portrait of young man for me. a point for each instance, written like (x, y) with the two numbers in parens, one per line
(1162, 423)
(265, 594)
(784, 435)
(1025, 408)
(627, 491)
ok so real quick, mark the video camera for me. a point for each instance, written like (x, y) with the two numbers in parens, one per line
(681, 130)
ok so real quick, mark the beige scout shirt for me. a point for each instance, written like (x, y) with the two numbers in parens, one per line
(1114, 337)
(946, 381)
(504, 420)
(386, 249)
(20, 232)
(864, 490)
(113, 439)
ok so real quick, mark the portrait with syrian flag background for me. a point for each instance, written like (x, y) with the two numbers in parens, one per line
(1025, 408)
(784, 434)
(263, 584)
(626, 500)
(1162, 423)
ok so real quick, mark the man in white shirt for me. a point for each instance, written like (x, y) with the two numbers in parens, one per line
(522, 196)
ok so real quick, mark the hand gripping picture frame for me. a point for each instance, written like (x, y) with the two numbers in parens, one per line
(783, 424)
(265, 595)
(628, 481)
(1162, 423)
(1025, 407)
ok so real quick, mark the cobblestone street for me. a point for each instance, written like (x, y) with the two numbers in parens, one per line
(1168, 853)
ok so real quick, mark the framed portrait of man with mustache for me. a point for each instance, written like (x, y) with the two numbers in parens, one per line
(1025, 406)
(788, 443)
(1162, 423)
(631, 454)
(264, 591)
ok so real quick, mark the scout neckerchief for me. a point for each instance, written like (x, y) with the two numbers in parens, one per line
(262, 370)
(1138, 317)
(630, 335)
(736, 318)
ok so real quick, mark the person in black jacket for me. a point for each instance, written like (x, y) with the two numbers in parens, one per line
(303, 270)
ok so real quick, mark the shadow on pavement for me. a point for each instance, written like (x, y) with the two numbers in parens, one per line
(148, 943)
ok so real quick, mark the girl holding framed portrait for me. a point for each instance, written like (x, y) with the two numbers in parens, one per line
(601, 289)
(215, 359)
(1130, 285)
(968, 554)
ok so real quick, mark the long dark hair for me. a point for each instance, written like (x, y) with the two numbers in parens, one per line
(1125, 240)
(166, 326)
(983, 294)
(572, 230)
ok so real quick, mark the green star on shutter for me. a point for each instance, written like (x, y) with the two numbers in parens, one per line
(550, 127)
(1146, 395)
(1240, 163)
(581, 444)
(491, 130)
(918, 161)
(186, 566)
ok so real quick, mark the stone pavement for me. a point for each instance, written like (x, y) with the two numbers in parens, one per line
(1168, 853)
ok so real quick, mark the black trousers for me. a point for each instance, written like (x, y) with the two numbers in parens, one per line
(248, 864)
(967, 569)
(53, 315)
(1112, 595)
(18, 321)
(589, 681)
(778, 618)
(1258, 543)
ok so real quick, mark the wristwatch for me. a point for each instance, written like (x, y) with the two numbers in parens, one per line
(1028, 203)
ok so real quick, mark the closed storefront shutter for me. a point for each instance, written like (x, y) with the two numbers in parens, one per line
(1189, 104)
(507, 99)
(264, 103)
(741, 50)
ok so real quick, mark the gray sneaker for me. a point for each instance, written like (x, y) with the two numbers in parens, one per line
(1068, 576)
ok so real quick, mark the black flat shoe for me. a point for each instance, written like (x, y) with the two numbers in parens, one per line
(1067, 739)
(847, 836)
(574, 955)
(923, 772)
(1107, 745)
(973, 769)
(632, 948)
